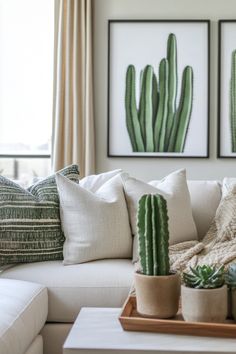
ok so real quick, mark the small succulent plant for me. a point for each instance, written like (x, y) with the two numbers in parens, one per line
(230, 276)
(204, 277)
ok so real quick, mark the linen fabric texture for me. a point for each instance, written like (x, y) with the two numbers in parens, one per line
(30, 228)
(205, 198)
(175, 190)
(96, 225)
(94, 182)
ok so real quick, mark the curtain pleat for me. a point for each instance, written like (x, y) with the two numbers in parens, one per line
(73, 122)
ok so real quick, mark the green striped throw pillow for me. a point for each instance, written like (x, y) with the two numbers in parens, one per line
(30, 228)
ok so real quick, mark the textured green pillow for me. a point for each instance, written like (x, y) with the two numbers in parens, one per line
(30, 228)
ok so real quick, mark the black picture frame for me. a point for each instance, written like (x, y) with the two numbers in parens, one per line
(223, 125)
(110, 119)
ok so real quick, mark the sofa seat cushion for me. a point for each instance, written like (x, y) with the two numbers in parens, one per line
(103, 283)
(23, 312)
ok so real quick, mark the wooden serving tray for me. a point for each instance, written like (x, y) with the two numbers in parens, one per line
(131, 321)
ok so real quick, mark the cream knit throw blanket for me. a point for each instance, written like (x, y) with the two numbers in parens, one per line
(217, 247)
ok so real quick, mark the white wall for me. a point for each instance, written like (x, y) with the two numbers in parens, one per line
(149, 168)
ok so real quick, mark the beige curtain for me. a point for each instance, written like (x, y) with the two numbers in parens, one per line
(73, 125)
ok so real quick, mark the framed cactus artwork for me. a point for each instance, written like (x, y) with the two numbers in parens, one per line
(158, 88)
(227, 89)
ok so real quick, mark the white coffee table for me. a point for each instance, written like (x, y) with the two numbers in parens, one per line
(98, 331)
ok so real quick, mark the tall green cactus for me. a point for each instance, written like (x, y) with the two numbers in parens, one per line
(153, 235)
(233, 101)
(158, 125)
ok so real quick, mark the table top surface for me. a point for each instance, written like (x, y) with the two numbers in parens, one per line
(99, 328)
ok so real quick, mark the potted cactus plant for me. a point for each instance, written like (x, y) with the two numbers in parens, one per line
(157, 290)
(230, 279)
(204, 294)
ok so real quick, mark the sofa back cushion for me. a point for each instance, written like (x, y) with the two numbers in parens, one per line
(205, 198)
(30, 228)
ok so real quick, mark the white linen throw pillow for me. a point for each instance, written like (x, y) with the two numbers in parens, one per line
(96, 225)
(174, 189)
(94, 182)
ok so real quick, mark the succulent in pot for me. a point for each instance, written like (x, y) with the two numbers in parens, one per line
(230, 279)
(204, 277)
(157, 290)
(204, 295)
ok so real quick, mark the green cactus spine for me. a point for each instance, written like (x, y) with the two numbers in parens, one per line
(153, 235)
(157, 125)
(233, 101)
(132, 121)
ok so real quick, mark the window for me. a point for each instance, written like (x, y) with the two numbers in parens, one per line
(26, 74)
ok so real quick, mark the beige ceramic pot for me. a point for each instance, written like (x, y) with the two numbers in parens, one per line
(157, 296)
(204, 305)
(229, 312)
(233, 302)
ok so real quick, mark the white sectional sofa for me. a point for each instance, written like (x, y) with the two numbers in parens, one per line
(102, 283)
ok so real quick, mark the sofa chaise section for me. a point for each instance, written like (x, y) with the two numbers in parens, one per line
(23, 312)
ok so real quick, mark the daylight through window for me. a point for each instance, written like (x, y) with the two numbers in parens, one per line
(26, 74)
